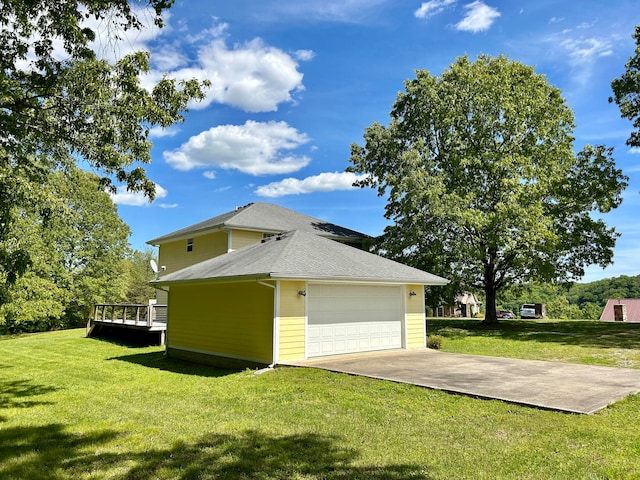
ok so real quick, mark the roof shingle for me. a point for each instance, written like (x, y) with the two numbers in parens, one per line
(265, 217)
(301, 255)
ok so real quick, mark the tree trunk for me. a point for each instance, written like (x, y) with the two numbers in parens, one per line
(490, 315)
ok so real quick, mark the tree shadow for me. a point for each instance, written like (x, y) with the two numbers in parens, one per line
(49, 452)
(570, 332)
(43, 451)
(160, 361)
(20, 393)
(255, 454)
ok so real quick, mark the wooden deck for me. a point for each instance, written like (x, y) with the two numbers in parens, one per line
(150, 318)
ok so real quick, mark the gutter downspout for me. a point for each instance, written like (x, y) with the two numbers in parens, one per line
(275, 330)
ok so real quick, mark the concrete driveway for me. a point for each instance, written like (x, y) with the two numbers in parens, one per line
(550, 385)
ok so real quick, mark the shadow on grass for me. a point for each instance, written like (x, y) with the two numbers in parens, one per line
(257, 455)
(43, 451)
(19, 393)
(50, 452)
(569, 332)
(160, 361)
(126, 337)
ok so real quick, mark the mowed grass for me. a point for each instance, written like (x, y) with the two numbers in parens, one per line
(72, 407)
(587, 342)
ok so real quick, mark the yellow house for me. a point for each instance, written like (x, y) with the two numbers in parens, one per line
(237, 229)
(293, 295)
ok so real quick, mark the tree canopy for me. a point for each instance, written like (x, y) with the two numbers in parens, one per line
(78, 252)
(483, 184)
(61, 103)
(626, 92)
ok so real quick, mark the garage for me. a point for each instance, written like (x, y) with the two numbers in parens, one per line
(353, 318)
(294, 296)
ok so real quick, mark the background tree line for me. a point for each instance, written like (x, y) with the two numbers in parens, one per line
(579, 301)
(79, 255)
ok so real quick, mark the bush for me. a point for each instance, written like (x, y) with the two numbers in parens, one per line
(434, 341)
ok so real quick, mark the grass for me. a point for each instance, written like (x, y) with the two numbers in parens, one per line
(587, 342)
(79, 408)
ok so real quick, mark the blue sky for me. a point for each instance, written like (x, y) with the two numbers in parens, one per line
(295, 82)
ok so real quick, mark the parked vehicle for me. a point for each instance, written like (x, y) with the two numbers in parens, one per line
(506, 314)
(528, 310)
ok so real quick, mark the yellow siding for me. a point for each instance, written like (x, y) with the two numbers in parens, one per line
(223, 319)
(292, 319)
(174, 255)
(416, 334)
(244, 238)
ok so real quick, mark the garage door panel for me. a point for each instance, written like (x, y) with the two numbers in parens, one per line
(347, 319)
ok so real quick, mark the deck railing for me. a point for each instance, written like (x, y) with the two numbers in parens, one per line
(129, 314)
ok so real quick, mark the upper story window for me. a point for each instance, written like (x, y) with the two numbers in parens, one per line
(190, 245)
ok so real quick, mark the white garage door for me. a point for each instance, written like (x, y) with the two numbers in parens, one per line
(353, 318)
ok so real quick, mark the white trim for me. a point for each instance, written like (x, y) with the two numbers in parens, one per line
(229, 239)
(405, 332)
(276, 323)
(306, 320)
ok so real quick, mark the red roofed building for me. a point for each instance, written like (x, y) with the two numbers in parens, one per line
(621, 310)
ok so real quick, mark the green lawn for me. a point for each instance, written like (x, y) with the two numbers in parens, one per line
(593, 343)
(79, 408)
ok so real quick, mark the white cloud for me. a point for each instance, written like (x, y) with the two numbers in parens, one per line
(159, 132)
(431, 8)
(113, 43)
(634, 150)
(209, 175)
(586, 49)
(256, 148)
(168, 205)
(305, 55)
(324, 182)
(136, 199)
(346, 11)
(251, 76)
(479, 17)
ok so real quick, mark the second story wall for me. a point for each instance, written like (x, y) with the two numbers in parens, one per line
(244, 238)
(176, 255)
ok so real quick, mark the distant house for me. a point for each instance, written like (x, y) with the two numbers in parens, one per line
(621, 310)
(465, 305)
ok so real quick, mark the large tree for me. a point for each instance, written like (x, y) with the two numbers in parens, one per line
(483, 184)
(626, 91)
(60, 103)
(78, 249)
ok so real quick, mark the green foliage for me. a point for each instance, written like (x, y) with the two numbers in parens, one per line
(626, 91)
(483, 184)
(579, 301)
(435, 341)
(55, 112)
(602, 290)
(77, 255)
(139, 273)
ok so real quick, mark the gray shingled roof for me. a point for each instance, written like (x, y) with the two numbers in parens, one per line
(264, 217)
(301, 255)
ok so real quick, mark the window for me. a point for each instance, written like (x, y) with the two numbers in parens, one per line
(190, 245)
(267, 235)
